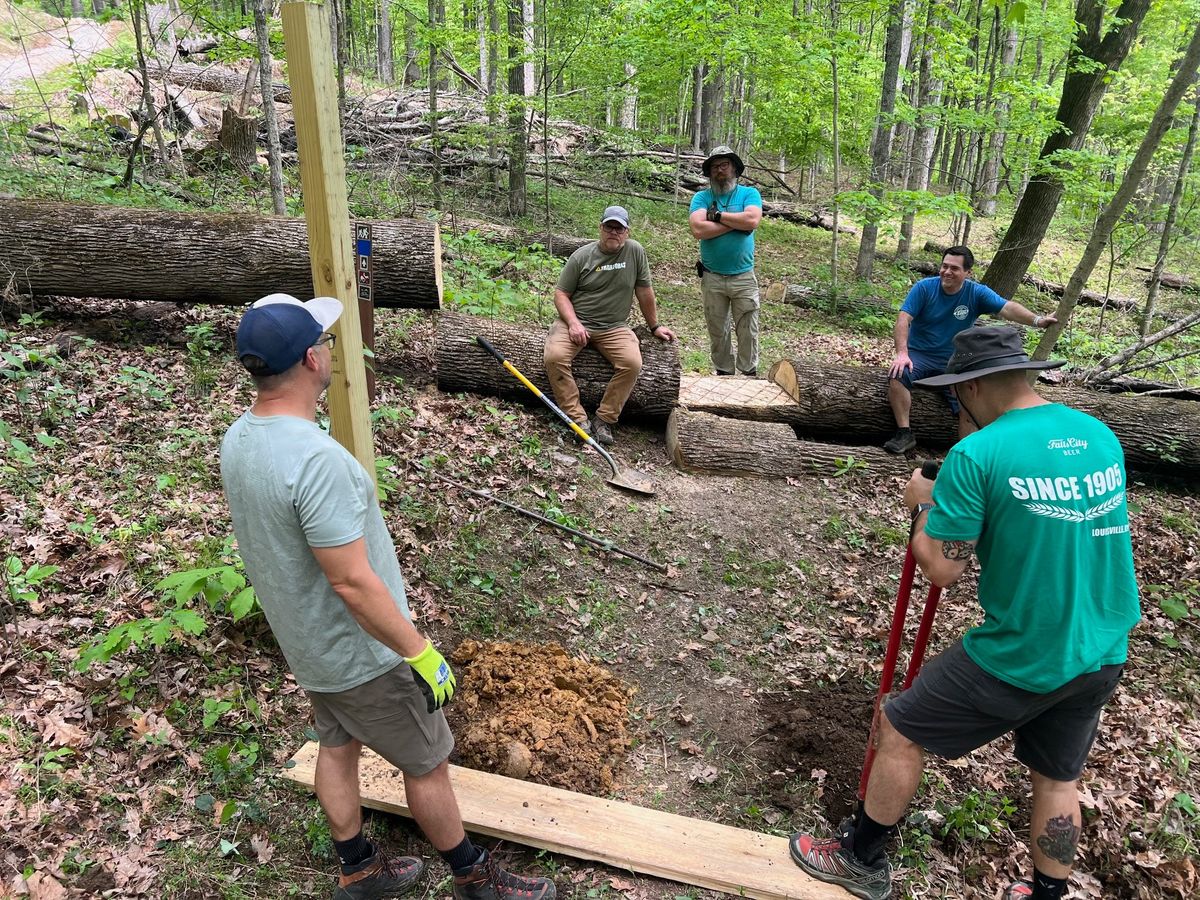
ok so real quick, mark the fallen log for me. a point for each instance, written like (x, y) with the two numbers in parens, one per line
(818, 298)
(792, 213)
(1161, 436)
(462, 365)
(83, 250)
(1086, 297)
(218, 79)
(1174, 282)
(560, 245)
(706, 444)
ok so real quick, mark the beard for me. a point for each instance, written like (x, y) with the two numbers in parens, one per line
(722, 185)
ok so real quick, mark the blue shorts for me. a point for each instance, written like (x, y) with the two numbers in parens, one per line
(923, 367)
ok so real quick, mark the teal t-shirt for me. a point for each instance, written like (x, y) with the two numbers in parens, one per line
(291, 487)
(1042, 490)
(733, 252)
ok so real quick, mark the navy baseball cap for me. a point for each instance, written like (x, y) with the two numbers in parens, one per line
(277, 330)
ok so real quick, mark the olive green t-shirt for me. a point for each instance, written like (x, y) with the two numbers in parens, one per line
(601, 285)
(1042, 490)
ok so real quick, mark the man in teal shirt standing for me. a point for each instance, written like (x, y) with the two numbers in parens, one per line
(723, 218)
(1038, 492)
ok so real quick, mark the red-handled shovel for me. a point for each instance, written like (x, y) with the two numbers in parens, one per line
(929, 469)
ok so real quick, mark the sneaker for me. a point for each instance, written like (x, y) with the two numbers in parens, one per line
(833, 863)
(902, 441)
(487, 881)
(753, 373)
(722, 372)
(602, 432)
(378, 876)
(1019, 889)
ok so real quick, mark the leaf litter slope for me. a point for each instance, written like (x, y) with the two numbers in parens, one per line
(155, 772)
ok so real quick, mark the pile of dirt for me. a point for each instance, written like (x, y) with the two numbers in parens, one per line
(530, 711)
(822, 729)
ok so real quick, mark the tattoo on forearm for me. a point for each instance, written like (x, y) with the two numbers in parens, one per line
(958, 550)
(1060, 839)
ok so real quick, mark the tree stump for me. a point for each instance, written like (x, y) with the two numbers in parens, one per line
(462, 365)
(237, 136)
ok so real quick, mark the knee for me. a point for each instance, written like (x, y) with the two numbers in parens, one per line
(344, 755)
(893, 743)
(440, 772)
(631, 364)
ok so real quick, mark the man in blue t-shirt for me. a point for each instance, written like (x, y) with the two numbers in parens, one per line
(936, 309)
(723, 218)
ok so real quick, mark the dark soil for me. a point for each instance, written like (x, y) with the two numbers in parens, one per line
(823, 729)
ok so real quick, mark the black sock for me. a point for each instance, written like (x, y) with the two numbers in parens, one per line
(905, 430)
(869, 837)
(352, 852)
(1047, 888)
(461, 858)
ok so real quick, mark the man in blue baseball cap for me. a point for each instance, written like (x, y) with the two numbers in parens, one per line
(324, 567)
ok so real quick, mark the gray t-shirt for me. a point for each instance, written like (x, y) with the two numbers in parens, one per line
(290, 486)
(601, 285)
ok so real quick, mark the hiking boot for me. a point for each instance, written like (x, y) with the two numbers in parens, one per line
(834, 863)
(902, 441)
(487, 881)
(1019, 889)
(378, 876)
(602, 432)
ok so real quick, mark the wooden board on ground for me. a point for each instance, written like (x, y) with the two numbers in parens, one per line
(754, 398)
(628, 837)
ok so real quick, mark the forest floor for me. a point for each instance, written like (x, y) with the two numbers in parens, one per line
(144, 728)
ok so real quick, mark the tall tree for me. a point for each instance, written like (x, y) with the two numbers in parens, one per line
(1184, 76)
(518, 143)
(881, 137)
(266, 83)
(1094, 56)
(385, 57)
(929, 95)
(989, 182)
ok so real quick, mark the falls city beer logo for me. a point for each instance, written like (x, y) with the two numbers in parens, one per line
(1062, 489)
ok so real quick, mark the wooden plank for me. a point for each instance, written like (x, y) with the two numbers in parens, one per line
(323, 179)
(628, 837)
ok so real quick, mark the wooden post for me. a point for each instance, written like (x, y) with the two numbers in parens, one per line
(323, 181)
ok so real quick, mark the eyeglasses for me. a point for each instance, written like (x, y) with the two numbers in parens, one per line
(613, 226)
(327, 338)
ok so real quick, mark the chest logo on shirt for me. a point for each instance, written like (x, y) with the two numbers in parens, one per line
(610, 267)
(961, 313)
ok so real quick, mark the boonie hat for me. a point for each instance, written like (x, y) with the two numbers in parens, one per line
(722, 152)
(277, 330)
(983, 351)
(615, 214)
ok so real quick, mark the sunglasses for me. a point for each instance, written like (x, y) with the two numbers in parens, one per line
(613, 226)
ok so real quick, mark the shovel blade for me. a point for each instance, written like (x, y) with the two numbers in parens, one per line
(632, 480)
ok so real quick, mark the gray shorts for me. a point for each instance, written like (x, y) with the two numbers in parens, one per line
(954, 707)
(387, 714)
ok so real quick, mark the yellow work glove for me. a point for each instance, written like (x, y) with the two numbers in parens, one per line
(432, 674)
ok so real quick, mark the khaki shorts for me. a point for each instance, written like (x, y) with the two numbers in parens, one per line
(387, 714)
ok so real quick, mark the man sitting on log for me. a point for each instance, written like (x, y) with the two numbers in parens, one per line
(723, 218)
(936, 309)
(1056, 583)
(594, 296)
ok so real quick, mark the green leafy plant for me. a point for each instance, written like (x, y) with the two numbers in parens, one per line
(849, 465)
(22, 583)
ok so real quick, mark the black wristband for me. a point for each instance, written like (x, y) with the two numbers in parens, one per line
(653, 328)
(717, 217)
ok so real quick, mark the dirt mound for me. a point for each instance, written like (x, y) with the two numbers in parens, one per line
(823, 729)
(531, 711)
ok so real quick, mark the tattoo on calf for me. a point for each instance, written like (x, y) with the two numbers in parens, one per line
(1060, 839)
(958, 550)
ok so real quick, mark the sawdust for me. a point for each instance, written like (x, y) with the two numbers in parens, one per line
(530, 711)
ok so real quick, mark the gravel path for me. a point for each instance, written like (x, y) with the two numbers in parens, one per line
(75, 40)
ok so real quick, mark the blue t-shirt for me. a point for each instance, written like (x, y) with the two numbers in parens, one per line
(733, 252)
(938, 316)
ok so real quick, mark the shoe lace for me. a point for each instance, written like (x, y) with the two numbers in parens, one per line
(504, 883)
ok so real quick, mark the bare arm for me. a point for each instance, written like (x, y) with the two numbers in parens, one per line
(367, 597)
(1012, 311)
(943, 562)
(566, 312)
(746, 220)
(702, 229)
(646, 303)
(901, 361)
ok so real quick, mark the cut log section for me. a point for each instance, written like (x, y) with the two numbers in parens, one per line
(81, 250)
(1161, 436)
(704, 444)
(237, 138)
(462, 365)
(560, 245)
(631, 838)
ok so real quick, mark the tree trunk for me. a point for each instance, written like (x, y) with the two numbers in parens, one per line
(528, 46)
(266, 87)
(1116, 207)
(1161, 437)
(148, 111)
(412, 69)
(77, 8)
(464, 366)
(236, 138)
(704, 444)
(385, 56)
(434, 137)
(560, 245)
(518, 143)
(1164, 243)
(698, 75)
(629, 99)
(1093, 59)
(989, 187)
(493, 75)
(217, 78)
(142, 254)
(881, 136)
(929, 92)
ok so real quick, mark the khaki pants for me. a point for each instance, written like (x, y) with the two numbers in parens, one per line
(731, 305)
(618, 345)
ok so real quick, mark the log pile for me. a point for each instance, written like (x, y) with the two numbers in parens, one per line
(462, 365)
(80, 250)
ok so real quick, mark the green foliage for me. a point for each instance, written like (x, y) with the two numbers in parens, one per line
(849, 465)
(22, 584)
(977, 816)
(486, 279)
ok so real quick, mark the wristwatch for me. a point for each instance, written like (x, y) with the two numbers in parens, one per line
(920, 508)
(653, 328)
(717, 217)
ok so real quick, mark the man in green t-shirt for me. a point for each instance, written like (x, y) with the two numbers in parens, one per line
(1038, 493)
(594, 296)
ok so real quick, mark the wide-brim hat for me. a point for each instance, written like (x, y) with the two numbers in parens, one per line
(984, 351)
(722, 153)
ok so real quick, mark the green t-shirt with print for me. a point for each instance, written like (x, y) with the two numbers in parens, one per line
(601, 284)
(1042, 491)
